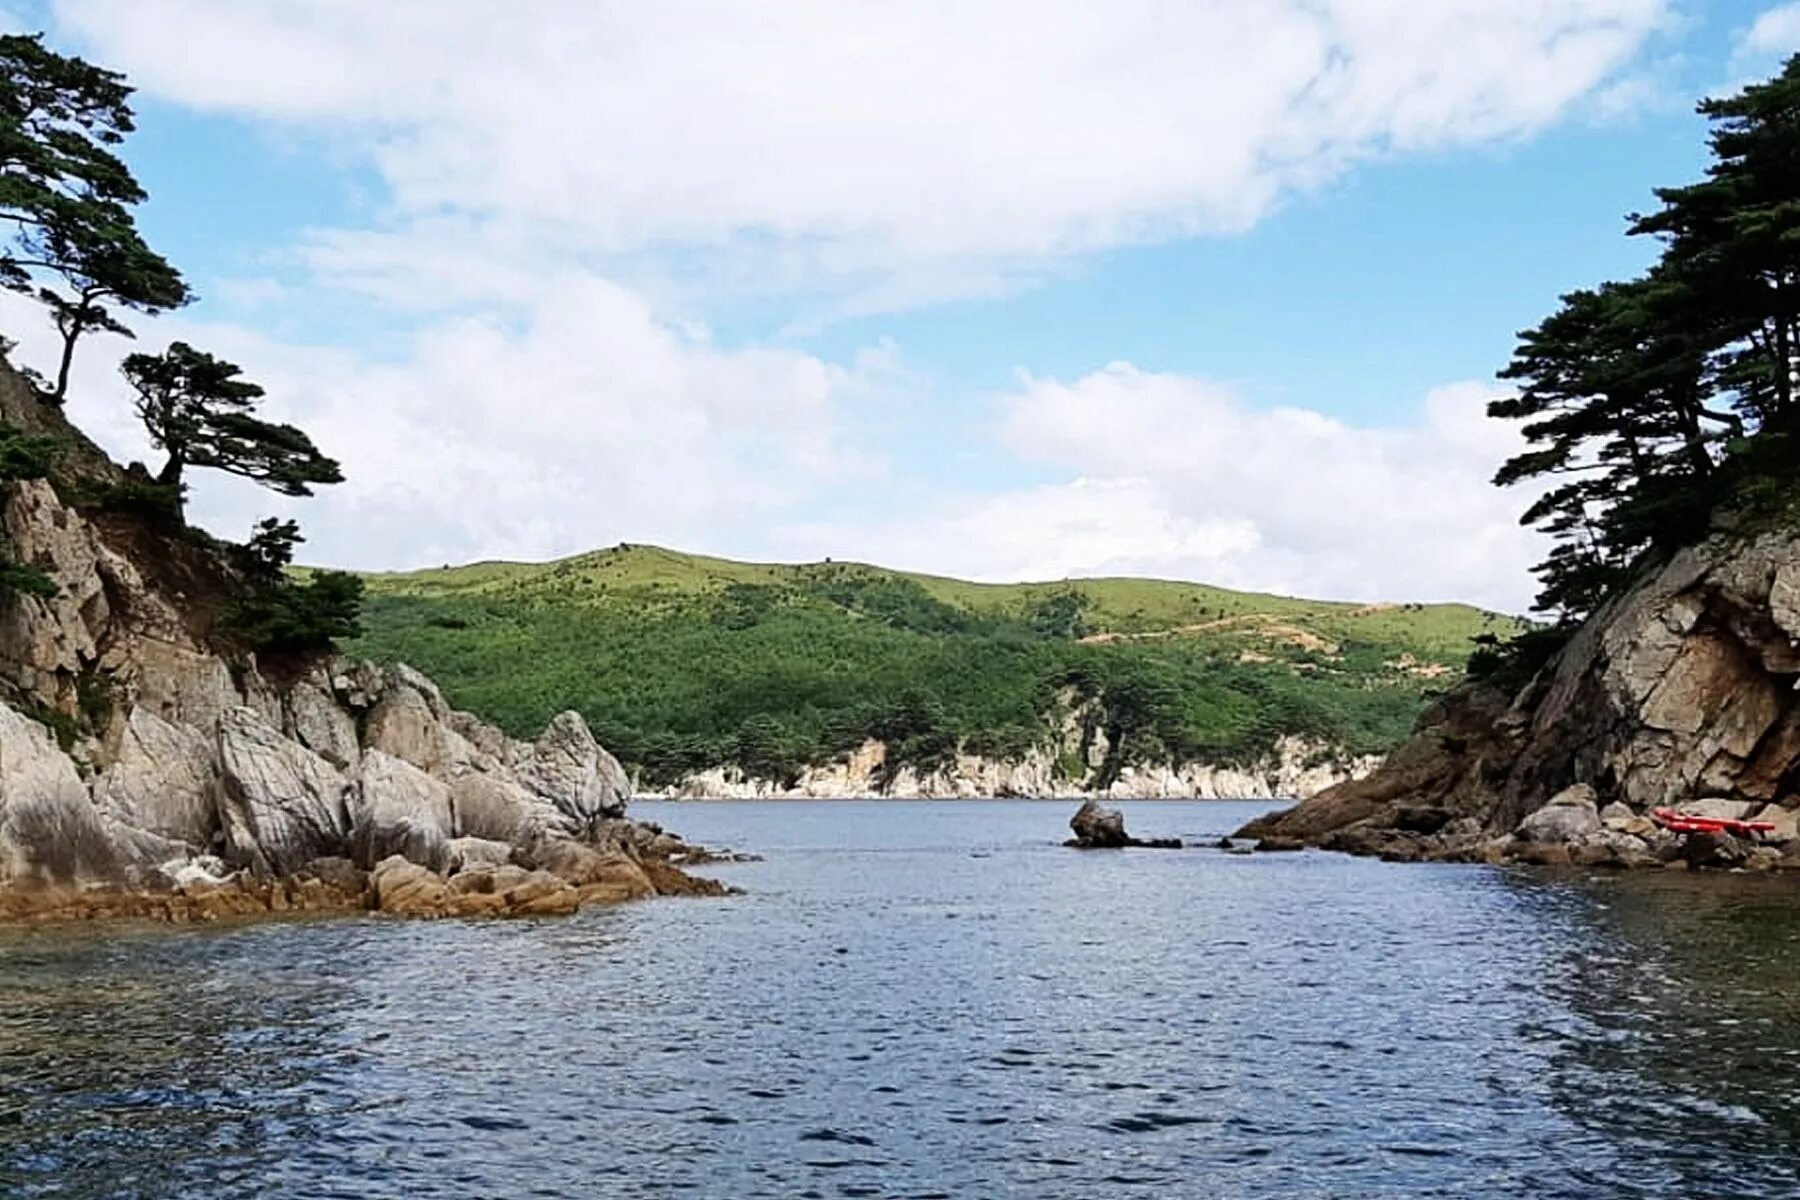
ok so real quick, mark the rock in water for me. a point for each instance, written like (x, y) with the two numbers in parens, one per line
(1100, 828)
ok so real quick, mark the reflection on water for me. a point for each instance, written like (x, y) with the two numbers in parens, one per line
(938, 1000)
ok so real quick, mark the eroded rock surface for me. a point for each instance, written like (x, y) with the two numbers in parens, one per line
(196, 782)
(1681, 693)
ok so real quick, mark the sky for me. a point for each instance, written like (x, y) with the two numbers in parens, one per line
(1025, 289)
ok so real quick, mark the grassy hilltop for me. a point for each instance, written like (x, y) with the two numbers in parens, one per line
(681, 661)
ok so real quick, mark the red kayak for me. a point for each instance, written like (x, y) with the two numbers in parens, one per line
(1680, 822)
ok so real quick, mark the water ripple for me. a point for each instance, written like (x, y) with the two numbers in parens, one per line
(886, 1015)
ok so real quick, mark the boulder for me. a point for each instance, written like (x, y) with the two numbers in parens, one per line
(567, 767)
(319, 722)
(1099, 828)
(1721, 851)
(408, 889)
(162, 780)
(1718, 807)
(281, 805)
(495, 808)
(398, 809)
(475, 854)
(1620, 818)
(411, 722)
(1569, 816)
(50, 831)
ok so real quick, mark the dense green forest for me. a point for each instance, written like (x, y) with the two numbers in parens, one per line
(682, 662)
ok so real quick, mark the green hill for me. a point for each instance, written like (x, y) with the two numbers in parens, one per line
(682, 662)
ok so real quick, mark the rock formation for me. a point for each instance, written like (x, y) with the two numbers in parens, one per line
(1294, 767)
(148, 767)
(1098, 828)
(1681, 692)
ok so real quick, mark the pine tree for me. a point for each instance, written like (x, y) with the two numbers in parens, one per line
(199, 410)
(73, 243)
(1653, 402)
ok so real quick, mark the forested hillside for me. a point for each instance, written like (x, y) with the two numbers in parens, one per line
(684, 662)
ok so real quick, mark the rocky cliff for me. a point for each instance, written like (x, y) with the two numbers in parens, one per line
(149, 767)
(1681, 692)
(1294, 768)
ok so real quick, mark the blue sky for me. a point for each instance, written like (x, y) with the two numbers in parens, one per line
(1009, 291)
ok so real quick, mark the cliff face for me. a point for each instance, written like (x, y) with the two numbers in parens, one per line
(1294, 768)
(1680, 693)
(183, 779)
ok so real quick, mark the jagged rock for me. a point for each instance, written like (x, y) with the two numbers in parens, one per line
(319, 722)
(411, 722)
(568, 768)
(204, 785)
(397, 809)
(162, 779)
(281, 805)
(499, 809)
(50, 832)
(1680, 692)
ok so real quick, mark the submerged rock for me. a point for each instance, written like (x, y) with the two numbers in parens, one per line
(1100, 828)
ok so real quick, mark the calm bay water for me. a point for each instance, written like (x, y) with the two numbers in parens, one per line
(920, 999)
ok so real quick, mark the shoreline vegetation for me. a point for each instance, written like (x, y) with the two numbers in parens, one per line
(704, 673)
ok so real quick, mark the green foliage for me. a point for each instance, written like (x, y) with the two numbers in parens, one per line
(73, 244)
(292, 616)
(1510, 663)
(1652, 404)
(269, 551)
(683, 663)
(198, 409)
(22, 457)
(156, 504)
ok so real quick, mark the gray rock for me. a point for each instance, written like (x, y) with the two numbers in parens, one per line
(397, 809)
(1718, 807)
(568, 768)
(1570, 816)
(163, 780)
(281, 805)
(50, 832)
(475, 854)
(1099, 828)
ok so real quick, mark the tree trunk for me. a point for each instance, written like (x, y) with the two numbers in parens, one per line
(170, 475)
(73, 332)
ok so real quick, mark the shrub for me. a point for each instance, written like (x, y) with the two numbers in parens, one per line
(295, 617)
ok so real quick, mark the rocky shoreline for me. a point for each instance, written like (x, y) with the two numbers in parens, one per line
(1680, 693)
(150, 767)
(1294, 767)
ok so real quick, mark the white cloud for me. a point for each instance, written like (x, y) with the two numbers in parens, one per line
(885, 149)
(1173, 476)
(592, 422)
(1774, 35)
(879, 156)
